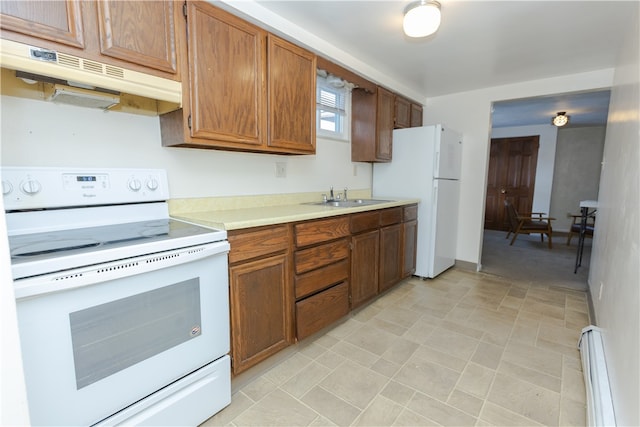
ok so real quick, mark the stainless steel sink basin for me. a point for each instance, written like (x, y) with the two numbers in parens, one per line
(351, 203)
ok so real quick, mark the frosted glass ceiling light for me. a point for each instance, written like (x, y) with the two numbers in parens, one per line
(560, 119)
(421, 18)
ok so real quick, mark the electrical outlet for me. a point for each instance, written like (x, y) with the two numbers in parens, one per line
(600, 291)
(281, 170)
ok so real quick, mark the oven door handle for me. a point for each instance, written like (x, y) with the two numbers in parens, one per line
(90, 275)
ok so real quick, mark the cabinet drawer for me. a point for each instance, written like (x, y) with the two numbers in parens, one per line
(319, 256)
(320, 310)
(410, 213)
(321, 278)
(365, 221)
(257, 242)
(390, 216)
(309, 233)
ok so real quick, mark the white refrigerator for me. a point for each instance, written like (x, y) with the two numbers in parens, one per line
(426, 163)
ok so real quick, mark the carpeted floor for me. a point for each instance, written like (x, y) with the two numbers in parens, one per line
(531, 260)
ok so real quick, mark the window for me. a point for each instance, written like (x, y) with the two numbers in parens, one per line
(333, 108)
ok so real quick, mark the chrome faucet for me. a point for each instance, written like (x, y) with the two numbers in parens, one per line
(331, 194)
(345, 194)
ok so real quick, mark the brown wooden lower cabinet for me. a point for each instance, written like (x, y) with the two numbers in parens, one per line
(390, 248)
(365, 250)
(409, 240)
(260, 294)
(390, 256)
(286, 286)
(260, 312)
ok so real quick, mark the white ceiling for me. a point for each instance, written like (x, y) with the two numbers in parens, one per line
(479, 43)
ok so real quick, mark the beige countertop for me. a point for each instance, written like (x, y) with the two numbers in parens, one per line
(247, 217)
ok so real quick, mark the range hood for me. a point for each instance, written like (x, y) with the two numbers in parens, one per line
(85, 73)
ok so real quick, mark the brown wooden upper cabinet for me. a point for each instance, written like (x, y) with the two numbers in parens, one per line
(407, 114)
(136, 35)
(372, 125)
(292, 97)
(416, 115)
(403, 113)
(246, 89)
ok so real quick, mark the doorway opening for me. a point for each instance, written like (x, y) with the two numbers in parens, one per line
(563, 173)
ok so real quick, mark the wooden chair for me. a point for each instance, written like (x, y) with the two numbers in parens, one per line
(534, 222)
(575, 227)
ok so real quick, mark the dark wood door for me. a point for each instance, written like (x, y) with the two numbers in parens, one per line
(512, 173)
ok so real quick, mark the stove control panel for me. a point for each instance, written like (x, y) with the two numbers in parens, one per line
(42, 188)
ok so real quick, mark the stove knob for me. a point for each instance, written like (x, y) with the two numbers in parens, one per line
(6, 188)
(134, 184)
(30, 186)
(152, 184)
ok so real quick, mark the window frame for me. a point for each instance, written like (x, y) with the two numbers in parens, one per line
(345, 115)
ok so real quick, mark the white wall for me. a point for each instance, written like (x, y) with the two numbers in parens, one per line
(615, 258)
(470, 113)
(39, 133)
(576, 175)
(546, 160)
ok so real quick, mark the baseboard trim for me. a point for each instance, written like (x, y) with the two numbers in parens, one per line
(468, 266)
(592, 310)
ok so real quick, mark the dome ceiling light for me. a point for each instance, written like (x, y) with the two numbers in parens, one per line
(560, 119)
(421, 18)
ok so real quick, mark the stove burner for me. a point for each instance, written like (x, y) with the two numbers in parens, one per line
(41, 248)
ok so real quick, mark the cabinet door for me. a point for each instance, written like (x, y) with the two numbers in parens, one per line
(365, 250)
(384, 114)
(416, 115)
(226, 73)
(409, 242)
(56, 21)
(390, 256)
(403, 113)
(292, 96)
(141, 32)
(261, 310)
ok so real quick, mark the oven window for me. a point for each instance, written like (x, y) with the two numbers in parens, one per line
(111, 337)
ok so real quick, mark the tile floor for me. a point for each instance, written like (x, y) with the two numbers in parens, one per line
(463, 349)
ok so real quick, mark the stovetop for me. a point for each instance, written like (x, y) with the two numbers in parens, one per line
(52, 251)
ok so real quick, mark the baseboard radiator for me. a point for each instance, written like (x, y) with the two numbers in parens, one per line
(596, 380)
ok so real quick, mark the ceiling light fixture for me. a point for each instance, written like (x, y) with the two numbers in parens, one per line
(560, 119)
(421, 18)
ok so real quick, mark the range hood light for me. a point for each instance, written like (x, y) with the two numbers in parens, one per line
(28, 81)
(81, 97)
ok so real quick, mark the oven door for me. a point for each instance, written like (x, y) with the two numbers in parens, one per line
(96, 340)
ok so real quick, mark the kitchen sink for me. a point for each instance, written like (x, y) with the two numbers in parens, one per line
(351, 203)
